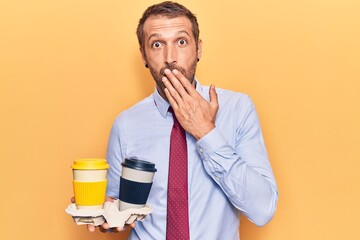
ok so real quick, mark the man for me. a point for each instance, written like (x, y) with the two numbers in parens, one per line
(228, 172)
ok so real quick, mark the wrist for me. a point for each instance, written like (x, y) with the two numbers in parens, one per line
(201, 133)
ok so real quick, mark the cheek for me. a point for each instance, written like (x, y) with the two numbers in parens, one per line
(187, 56)
(154, 58)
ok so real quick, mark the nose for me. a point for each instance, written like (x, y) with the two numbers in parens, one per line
(170, 55)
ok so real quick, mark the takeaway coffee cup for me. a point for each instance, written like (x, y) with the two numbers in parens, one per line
(89, 182)
(135, 183)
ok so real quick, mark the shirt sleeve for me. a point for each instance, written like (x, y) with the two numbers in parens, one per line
(242, 169)
(114, 159)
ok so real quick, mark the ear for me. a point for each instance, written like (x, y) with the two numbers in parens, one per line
(199, 50)
(143, 56)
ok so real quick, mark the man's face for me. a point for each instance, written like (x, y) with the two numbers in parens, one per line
(169, 44)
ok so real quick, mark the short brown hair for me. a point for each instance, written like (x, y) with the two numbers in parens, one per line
(170, 10)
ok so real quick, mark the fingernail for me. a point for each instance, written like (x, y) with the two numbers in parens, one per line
(163, 79)
(167, 71)
(175, 71)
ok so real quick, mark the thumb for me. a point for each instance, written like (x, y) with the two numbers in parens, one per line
(213, 96)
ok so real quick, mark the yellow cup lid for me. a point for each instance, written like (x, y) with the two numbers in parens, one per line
(90, 164)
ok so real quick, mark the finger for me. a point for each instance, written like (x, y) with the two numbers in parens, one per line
(171, 100)
(186, 84)
(73, 199)
(174, 95)
(120, 229)
(105, 226)
(176, 83)
(114, 230)
(91, 228)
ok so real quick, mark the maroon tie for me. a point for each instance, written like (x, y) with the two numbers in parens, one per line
(177, 226)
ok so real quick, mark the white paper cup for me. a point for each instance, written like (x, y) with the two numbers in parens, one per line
(135, 183)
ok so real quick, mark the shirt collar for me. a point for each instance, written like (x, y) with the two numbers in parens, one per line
(163, 106)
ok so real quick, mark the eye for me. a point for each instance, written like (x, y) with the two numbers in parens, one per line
(156, 45)
(182, 42)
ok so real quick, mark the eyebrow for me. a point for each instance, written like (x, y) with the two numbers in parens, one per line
(158, 34)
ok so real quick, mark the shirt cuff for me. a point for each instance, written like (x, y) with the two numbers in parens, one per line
(215, 148)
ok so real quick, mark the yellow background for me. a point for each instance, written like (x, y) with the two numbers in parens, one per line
(67, 68)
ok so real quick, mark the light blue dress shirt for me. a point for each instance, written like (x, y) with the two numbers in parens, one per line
(228, 169)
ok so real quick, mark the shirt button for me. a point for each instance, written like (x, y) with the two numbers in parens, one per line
(200, 150)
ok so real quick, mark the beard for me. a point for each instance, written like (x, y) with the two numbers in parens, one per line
(158, 75)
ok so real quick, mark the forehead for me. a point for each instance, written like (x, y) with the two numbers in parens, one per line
(164, 26)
